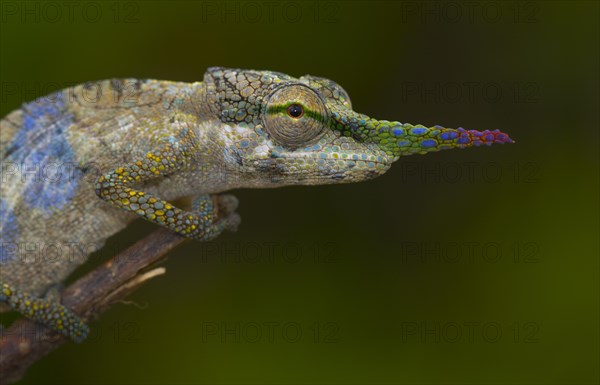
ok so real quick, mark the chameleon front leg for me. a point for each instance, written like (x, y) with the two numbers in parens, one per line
(209, 216)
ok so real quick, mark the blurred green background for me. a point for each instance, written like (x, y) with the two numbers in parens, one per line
(475, 266)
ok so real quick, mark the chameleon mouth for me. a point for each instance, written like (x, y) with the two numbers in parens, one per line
(349, 163)
(329, 171)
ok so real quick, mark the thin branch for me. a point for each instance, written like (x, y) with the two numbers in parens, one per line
(25, 342)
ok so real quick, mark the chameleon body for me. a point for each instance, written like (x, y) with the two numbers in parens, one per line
(79, 165)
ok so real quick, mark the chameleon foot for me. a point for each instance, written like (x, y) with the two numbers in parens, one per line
(46, 312)
(226, 206)
(218, 214)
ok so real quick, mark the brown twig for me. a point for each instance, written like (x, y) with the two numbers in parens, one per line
(26, 342)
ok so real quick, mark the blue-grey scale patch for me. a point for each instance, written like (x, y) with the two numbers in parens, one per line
(398, 131)
(418, 131)
(448, 135)
(9, 233)
(427, 143)
(44, 155)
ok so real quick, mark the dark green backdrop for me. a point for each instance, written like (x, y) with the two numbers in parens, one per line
(475, 266)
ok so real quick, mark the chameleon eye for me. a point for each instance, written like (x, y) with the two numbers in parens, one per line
(295, 111)
(295, 115)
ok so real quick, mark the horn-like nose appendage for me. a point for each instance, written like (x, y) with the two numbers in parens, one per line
(406, 139)
(399, 139)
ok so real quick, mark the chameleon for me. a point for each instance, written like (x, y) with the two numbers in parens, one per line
(83, 162)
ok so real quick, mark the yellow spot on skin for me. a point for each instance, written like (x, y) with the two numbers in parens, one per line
(125, 202)
(159, 213)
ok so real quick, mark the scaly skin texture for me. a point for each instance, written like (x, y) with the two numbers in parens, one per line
(78, 165)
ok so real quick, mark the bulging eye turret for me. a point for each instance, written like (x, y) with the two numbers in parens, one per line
(295, 115)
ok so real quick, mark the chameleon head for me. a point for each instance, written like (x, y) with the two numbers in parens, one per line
(281, 130)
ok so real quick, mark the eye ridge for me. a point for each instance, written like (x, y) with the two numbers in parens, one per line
(295, 111)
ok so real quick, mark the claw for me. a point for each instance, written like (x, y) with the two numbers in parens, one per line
(233, 221)
(227, 204)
